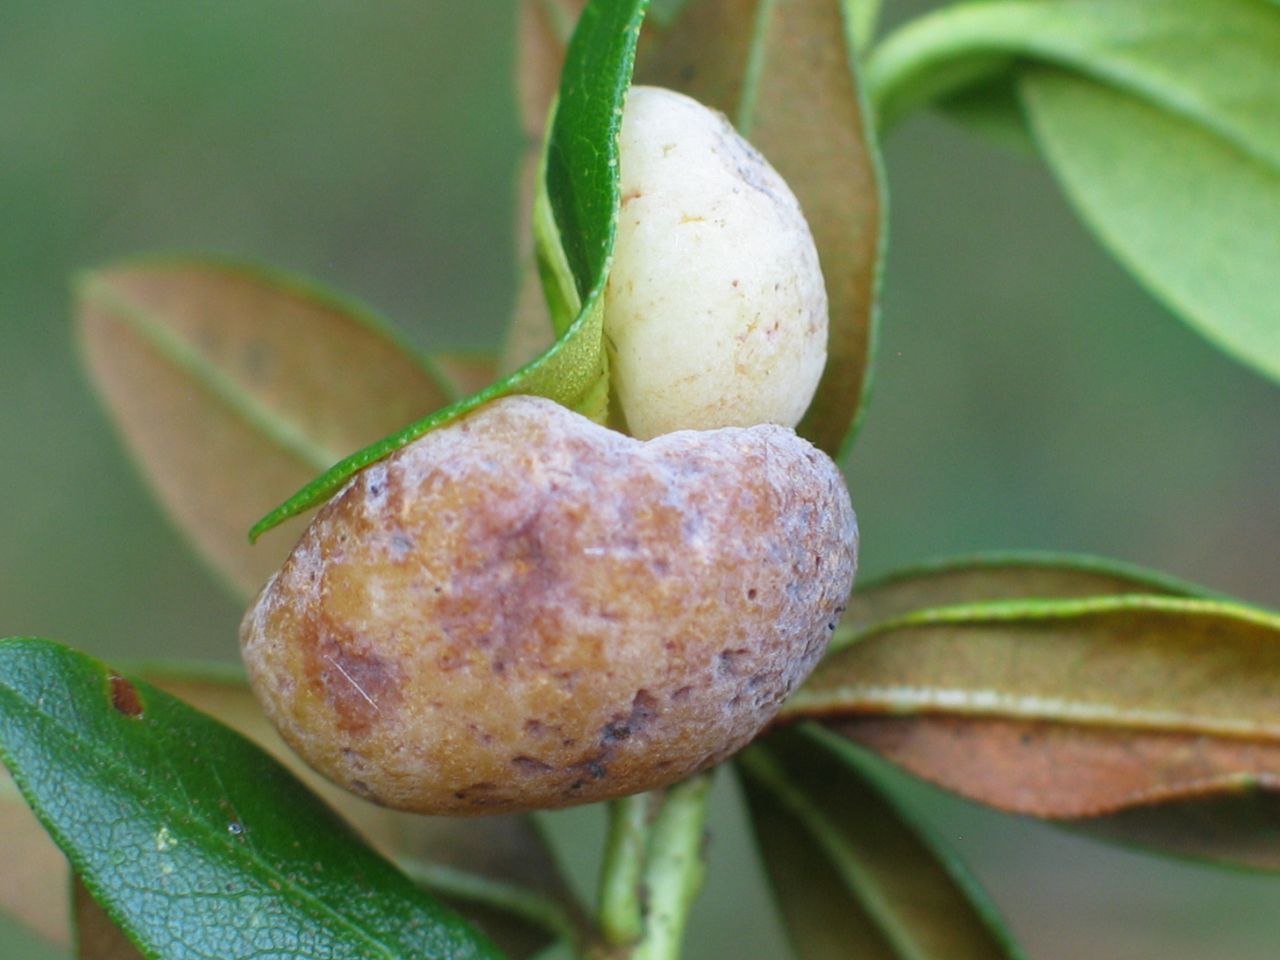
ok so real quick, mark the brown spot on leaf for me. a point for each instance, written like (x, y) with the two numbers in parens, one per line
(124, 696)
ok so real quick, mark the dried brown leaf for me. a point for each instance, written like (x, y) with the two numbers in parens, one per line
(34, 895)
(855, 872)
(97, 936)
(1066, 771)
(233, 388)
(465, 373)
(1143, 713)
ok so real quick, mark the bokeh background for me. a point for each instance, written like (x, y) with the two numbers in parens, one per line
(1029, 393)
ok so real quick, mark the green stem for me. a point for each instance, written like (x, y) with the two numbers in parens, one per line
(621, 911)
(675, 869)
(508, 897)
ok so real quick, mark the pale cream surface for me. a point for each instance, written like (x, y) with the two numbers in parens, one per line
(527, 610)
(716, 312)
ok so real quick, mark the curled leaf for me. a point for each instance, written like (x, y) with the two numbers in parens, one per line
(1134, 707)
(1159, 117)
(582, 194)
(1000, 576)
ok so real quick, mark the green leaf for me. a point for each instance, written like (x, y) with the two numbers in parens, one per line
(1002, 575)
(193, 839)
(487, 868)
(1145, 712)
(785, 74)
(582, 191)
(232, 385)
(1159, 117)
(1190, 214)
(855, 872)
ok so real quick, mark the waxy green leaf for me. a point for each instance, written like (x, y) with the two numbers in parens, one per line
(855, 872)
(582, 193)
(232, 386)
(1159, 117)
(1139, 711)
(1192, 215)
(543, 29)
(454, 856)
(785, 75)
(193, 839)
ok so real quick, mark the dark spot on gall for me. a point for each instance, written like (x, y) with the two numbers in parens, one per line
(530, 765)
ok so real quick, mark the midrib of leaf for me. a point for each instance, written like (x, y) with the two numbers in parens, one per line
(1020, 29)
(767, 770)
(1003, 611)
(284, 433)
(178, 814)
(987, 702)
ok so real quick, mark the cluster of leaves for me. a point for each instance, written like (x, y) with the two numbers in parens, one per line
(1066, 688)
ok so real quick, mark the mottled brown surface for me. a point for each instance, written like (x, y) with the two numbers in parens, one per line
(526, 610)
(1066, 771)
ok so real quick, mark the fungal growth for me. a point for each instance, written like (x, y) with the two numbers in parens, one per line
(715, 312)
(526, 610)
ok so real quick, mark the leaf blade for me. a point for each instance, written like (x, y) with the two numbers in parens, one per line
(1145, 98)
(1148, 662)
(1137, 178)
(506, 850)
(231, 385)
(1144, 718)
(159, 848)
(582, 186)
(886, 885)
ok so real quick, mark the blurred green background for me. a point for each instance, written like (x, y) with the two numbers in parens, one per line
(1029, 393)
